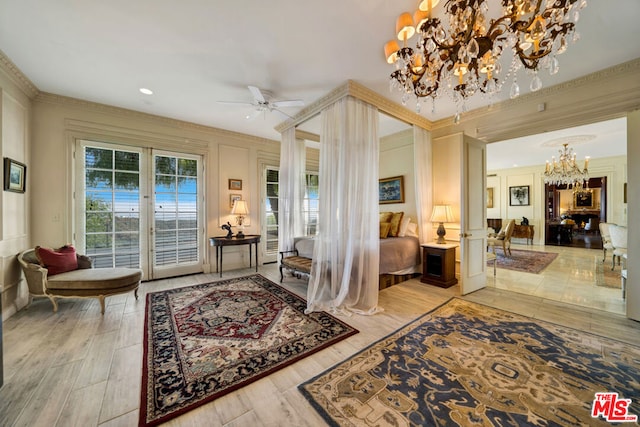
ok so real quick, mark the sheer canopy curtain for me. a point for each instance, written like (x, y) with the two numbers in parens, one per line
(422, 158)
(344, 274)
(290, 189)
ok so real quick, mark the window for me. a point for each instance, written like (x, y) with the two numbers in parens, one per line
(112, 207)
(310, 207)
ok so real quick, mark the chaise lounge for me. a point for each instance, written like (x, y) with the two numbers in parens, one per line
(82, 282)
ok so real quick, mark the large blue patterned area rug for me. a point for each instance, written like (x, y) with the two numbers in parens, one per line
(204, 341)
(467, 364)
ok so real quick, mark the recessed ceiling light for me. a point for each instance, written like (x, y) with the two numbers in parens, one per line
(146, 91)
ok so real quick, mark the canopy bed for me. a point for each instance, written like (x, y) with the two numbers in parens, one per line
(347, 251)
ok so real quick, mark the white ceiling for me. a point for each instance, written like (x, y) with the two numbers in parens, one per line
(193, 53)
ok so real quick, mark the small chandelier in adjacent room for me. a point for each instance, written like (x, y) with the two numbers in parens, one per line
(465, 58)
(565, 170)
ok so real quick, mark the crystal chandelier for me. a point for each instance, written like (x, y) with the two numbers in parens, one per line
(465, 58)
(565, 170)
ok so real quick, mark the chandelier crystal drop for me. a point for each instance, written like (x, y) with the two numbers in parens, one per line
(565, 170)
(463, 57)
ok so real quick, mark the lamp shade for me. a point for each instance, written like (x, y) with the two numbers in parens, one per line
(240, 208)
(404, 26)
(391, 49)
(427, 5)
(442, 213)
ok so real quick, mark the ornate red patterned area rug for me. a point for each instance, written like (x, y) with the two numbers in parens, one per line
(204, 341)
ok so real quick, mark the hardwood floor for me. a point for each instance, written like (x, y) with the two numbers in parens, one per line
(78, 368)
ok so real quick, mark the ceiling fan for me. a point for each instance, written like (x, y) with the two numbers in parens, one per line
(262, 103)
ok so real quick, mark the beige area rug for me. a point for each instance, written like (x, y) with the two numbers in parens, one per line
(606, 277)
(466, 364)
(523, 260)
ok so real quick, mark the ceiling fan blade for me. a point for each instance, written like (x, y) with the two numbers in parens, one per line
(288, 103)
(234, 103)
(257, 94)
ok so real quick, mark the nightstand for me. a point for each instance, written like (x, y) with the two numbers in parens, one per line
(439, 264)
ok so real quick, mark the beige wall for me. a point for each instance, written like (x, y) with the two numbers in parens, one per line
(396, 159)
(614, 168)
(633, 206)
(15, 113)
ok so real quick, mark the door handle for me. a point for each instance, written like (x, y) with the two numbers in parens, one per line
(466, 235)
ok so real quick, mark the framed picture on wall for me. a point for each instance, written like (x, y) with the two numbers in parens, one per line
(391, 190)
(233, 198)
(519, 195)
(235, 184)
(489, 197)
(15, 175)
(583, 199)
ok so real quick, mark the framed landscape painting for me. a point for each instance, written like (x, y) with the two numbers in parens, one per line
(519, 196)
(15, 175)
(391, 190)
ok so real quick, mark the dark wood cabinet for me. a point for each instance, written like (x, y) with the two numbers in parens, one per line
(523, 232)
(439, 264)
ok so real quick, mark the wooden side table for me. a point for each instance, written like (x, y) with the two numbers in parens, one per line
(439, 264)
(221, 241)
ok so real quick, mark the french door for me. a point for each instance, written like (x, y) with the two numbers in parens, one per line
(139, 207)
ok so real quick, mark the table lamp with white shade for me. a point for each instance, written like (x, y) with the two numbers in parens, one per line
(241, 210)
(441, 214)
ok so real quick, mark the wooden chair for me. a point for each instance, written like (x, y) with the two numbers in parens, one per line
(503, 239)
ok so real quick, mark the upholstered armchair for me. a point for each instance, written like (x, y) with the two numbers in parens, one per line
(606, 239)
(618, 235)
(503, 238)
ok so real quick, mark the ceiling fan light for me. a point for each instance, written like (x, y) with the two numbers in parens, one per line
(404, 26)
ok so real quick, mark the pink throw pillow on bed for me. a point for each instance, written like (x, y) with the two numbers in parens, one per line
(57, 261)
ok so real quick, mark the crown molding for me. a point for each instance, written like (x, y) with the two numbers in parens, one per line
(308, 136)
(315, 108)
(17, 76)
(603, 95)
(358, 91)
(227, 135)
(387, 106)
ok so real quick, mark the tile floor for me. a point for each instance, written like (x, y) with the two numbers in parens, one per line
(570, 278)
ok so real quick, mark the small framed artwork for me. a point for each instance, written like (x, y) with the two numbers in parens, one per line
(233, 198)
(15, 175)
(235, 184)
(583, 199)
(391, 190)
(489, 197)
(519, 196)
